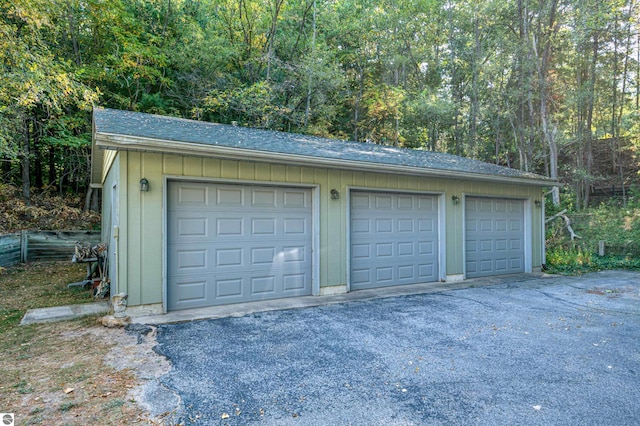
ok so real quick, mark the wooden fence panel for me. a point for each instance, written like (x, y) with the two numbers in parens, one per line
(43, 245)
(9, 249)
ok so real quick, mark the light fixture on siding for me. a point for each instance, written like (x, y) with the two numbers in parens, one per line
(334, 194)
(538, 203)
(144, 185)
(455, 199)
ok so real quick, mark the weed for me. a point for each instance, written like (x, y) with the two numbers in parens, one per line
(66, 406)
(618, 227)
(116, 403)
(23, 387)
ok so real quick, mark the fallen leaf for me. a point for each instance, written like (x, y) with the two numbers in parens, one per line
(224, 416)
(68, 390)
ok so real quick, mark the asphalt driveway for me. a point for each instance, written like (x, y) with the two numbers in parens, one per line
(528, 351)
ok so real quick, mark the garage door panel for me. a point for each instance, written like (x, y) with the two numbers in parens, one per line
(360, 277)
(263, 285)
(427, 204)
(384, 274)
(360, 251)
(384, 225)
(252, 243)
(500, 245)
(262, 255)
(192, 196)
(426, 225)
(494, 236)
(229, 226)
(515, 245)
(405, 202)
(229, 257)
(193, 290)
(406, 249)
(384, 250)
(426, 248)
(295, 199)
(360, 201)
(230, 197)
(296, 226)
(405, 225)
(193, 227)
(225, 289)
(263, 198)
(383, 202)
(263, 226)
(360, 226)
(426, 271)
(406, 272)
(393, 239)
(294, 282)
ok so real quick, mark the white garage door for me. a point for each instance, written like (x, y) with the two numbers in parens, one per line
(494, 235)
(234, 243)
(394, 239)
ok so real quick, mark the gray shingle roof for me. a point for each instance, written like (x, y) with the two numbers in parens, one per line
(148, 126)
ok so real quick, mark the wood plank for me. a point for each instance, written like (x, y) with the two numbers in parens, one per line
(9, 249)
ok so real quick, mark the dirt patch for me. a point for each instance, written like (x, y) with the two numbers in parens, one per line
(611, 292)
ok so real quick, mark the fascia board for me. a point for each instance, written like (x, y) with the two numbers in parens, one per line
(136, 143)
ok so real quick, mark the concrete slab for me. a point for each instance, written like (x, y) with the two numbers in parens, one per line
(242, 309)
(62, 313)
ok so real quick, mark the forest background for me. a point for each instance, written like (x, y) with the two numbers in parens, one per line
(547, 86)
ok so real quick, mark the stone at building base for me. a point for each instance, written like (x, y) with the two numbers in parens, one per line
(110, 321)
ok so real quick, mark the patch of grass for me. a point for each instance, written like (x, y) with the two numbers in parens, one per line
(66, 406)
(23, 387)
(578, 261)
(618, 227)
(39, 285)
(36, 410)
(40, 361)
(115, 403)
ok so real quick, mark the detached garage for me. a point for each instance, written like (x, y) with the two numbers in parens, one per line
(201, 214)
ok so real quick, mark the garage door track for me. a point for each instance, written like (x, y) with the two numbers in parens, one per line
(532, 350)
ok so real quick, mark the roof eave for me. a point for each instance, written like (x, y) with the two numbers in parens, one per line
(137, 143)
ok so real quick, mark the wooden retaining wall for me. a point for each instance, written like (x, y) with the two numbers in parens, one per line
(28, 246)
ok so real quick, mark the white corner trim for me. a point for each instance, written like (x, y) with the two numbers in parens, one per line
(334, 289)
(455, 278)
(142, 310)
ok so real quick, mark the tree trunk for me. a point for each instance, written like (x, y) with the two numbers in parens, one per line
(25, 158)
(307, 110)
(52, 166)
(543, 70)
(589, 144)
(356, 107)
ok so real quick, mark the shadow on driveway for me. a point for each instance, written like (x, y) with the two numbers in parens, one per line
(561, 350)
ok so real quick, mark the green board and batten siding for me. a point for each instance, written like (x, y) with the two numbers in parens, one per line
(141, 218)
